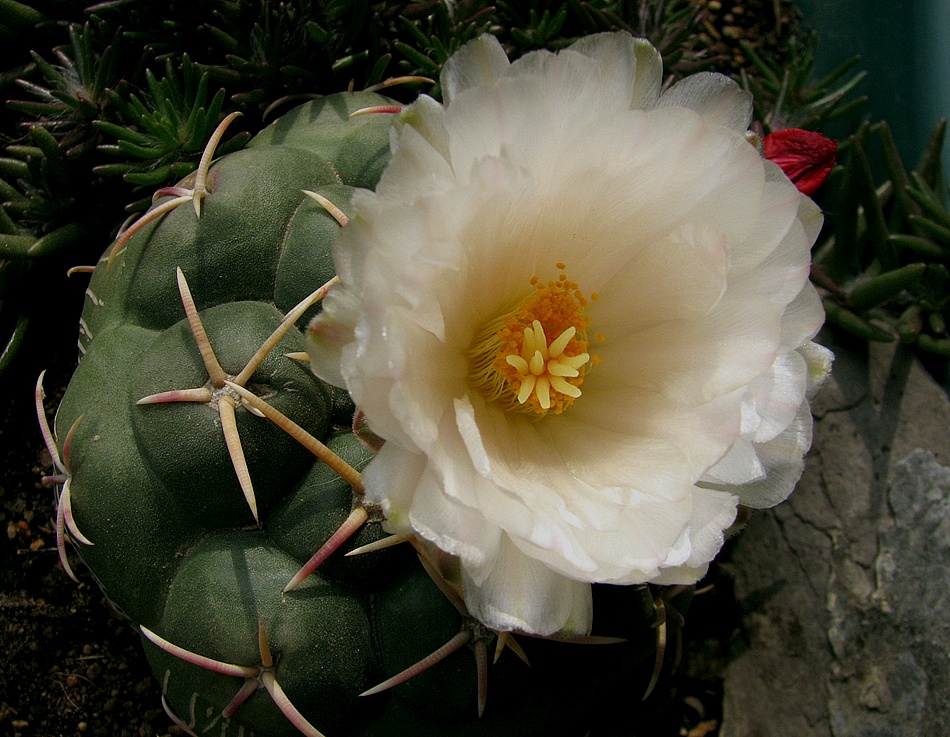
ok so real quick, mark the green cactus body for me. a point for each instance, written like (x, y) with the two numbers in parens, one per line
(175, 544)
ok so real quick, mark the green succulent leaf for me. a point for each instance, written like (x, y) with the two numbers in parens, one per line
(849, 321)
(878, 290)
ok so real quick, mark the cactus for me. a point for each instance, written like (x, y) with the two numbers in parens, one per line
(202, 464)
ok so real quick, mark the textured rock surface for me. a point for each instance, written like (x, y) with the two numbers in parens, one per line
(845, 588)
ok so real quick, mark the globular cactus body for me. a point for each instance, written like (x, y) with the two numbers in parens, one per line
(175, 543)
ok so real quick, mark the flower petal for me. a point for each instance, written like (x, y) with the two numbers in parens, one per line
(717, 98)
(690, 254)
(479, 62)
(519, 593)
(630, 68)
(782, 459)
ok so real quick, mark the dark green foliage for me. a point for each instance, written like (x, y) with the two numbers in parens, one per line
(168, 130)
(785, 96)
(884, 262)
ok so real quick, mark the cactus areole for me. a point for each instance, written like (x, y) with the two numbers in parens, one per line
(205, 465)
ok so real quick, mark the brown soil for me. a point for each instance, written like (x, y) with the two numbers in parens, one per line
(71, 666)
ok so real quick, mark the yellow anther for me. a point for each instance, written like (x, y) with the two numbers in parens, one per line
(534, 357)
(537, 363)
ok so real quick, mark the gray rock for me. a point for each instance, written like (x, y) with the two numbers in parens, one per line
(845, 588)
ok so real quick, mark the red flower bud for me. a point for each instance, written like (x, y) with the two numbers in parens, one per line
(806, 157)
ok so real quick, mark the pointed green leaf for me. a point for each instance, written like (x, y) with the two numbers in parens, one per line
(879, 289)
(111, 170)
(20, 17)
(121, 132)
(105, 70)
(873, 212)
(37, 109)
(7, 226)
(8, 192)
(937, 346)
(839, 111)
(14, 342)
(928, 166)
(917, 244)
(843, 318)
(142, 152)
(150, 178)
(229, 43)
(347, 61)
(316, 31)
(896, 171)
(14, 246)
(25, 152)
(51, 73)
(930, 228)
(47, 143)
(930, 207)
(844, 258)
(14, 168)
(59, 239)
(769, 78)
(837, 73)
(421, 61)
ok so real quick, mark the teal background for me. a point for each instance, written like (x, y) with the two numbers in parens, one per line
(905, 48)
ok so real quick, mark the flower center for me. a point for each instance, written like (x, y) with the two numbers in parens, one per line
(534, 357)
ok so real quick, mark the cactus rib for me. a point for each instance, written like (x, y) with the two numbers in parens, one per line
(196, 194)
(356, 519)
(321, 451)
(227, 393)
(254, 675)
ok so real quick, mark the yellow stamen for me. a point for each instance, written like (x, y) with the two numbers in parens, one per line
(534, 357)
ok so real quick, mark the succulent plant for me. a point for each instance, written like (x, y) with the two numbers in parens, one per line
(884, 261)
(205, 473)
(130, 91)
(785, 94)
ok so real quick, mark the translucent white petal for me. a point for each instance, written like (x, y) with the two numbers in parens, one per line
(479, 62)
(618, 436)
(681, 277)
(328, 334)
(631, 69)
(455, 528)
(782, 459)
(740, 465)
(716, 97)
(520, 593)
(680, 576)
(803, 317)
(695, 361)
(420, 158)
(773, 399)
(713, 513)
(391, 480)
(427, 118)
(819, 360)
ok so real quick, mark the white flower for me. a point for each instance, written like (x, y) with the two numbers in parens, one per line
(599, 423)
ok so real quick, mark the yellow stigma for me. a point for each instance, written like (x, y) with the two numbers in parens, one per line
(534, 357)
